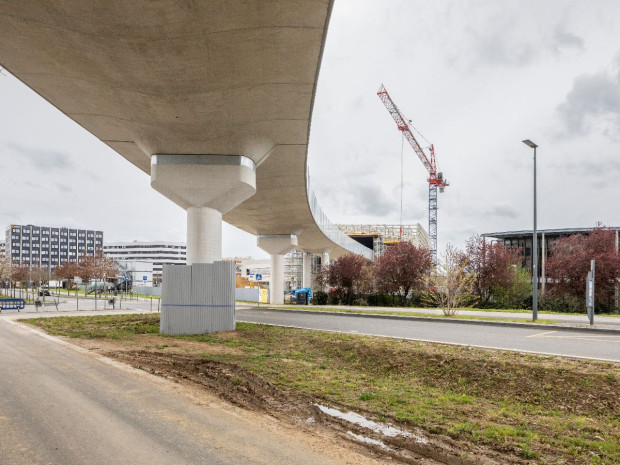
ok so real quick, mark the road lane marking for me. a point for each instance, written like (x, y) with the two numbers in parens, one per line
(541, 334)
(601, 338)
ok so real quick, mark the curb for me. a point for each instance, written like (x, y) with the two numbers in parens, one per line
(508, 324)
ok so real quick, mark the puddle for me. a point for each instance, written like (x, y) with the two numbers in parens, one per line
(359, 420)
(368, 440)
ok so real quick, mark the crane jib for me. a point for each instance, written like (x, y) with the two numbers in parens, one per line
(435, 179)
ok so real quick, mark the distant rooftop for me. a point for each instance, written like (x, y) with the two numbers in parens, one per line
(559, 232)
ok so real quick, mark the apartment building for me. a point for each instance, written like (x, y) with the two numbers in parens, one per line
(48, 247)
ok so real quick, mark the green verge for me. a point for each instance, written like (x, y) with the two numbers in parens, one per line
(552, 410)
(409, 310)
(407, 313)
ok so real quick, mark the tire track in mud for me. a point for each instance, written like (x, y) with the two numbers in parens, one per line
(248, 391)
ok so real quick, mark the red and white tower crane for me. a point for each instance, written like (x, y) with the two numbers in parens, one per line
(435, 178)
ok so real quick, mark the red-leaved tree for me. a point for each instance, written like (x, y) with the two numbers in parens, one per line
(492, 263)
(402, 268)
(569, 264)
(348, 274)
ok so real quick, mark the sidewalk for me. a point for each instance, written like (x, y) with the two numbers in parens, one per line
(561, 320)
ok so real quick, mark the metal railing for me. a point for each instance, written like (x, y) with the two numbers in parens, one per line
(333, 232)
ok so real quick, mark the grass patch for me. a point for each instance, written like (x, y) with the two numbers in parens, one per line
(411, 310)
(407, 313)
(550, 409)
(114, 327)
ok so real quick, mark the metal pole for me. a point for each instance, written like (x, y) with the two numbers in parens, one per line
(535, 254)
(592, 267)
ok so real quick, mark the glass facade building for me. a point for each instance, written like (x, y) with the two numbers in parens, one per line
(546, 240)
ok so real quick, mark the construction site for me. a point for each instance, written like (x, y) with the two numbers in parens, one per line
(380, 236)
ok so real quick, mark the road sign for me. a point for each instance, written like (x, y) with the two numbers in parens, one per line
(589, 290)
(144, 278)
(259, 277)
(127, 278)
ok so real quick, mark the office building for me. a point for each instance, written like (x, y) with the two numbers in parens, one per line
(546, 239)
(48, 247)
(159, 253)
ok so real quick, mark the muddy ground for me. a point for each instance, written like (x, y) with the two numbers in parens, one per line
(185, 363)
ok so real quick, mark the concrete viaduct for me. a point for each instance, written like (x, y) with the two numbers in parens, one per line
(213, 99)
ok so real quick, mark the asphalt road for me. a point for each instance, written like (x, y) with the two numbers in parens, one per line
(61, 406)
(584, 344)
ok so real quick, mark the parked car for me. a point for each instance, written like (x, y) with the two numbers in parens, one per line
(44, 292)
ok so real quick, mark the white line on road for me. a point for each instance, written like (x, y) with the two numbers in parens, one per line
(541, 334)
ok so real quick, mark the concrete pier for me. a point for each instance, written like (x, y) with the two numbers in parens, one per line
(277, 245)
(207, 186)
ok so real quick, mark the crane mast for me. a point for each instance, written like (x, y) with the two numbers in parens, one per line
(435, 178)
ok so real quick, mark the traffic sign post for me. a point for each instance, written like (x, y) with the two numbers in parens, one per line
(590, 293)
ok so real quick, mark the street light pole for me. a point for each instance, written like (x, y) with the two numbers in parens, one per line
(531, 144)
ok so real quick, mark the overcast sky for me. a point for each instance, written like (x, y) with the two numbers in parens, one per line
(475, 78)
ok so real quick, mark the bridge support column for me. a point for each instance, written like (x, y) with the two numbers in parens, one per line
(207, 186)
(204, 235)
(307, 269)
(200, 297)
(324, 263)
(277, 245)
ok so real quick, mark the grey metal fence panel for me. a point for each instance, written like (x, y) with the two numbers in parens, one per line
(198, 299)
(147, 290)
(251, 294)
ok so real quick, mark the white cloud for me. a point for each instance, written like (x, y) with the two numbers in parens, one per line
(476, 77)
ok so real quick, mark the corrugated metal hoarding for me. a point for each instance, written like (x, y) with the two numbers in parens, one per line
(198, 299)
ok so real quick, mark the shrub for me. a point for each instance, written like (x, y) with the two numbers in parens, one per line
(319, 298)
(333, 298)
(380, 300)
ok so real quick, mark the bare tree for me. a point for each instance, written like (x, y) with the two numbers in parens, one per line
(97, 267)
(451, 286)
(5, 271)
(66, 272)
(20, 275)
(86, 270)
(39, 275)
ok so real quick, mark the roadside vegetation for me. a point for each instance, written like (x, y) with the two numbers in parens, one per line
(484, 275)
(548, 410)
(409, 313)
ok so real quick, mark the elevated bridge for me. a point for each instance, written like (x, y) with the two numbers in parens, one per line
(213, 99)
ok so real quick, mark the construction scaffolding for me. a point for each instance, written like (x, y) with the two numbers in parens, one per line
(380, 236)
(293, 269)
